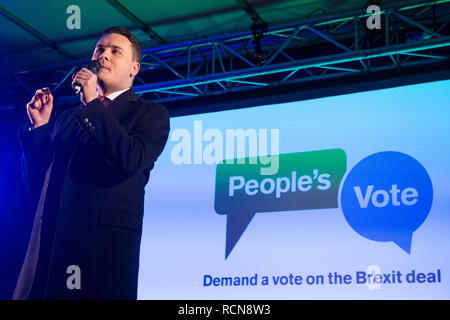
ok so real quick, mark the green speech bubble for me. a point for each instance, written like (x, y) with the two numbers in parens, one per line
(305, 180)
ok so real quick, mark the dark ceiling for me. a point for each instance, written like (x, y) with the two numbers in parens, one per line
(34, 31)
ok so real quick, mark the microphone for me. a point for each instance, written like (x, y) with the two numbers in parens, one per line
(94, 67)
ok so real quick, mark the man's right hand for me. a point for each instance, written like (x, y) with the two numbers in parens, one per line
(40, 107)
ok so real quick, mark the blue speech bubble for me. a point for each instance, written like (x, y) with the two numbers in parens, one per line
(386, 197)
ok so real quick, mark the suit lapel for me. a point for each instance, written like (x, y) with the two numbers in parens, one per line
(121, 105)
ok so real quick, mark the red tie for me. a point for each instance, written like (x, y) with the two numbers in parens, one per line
(106, 101)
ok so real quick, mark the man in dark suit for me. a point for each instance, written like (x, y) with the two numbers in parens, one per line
(90, 166)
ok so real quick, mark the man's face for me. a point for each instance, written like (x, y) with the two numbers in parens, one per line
(114, 52)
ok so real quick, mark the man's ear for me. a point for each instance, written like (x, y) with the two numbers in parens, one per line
(135, 69)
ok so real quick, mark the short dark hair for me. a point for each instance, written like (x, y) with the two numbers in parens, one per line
(135, 44)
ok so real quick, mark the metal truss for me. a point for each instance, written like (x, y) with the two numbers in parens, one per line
(409, 35)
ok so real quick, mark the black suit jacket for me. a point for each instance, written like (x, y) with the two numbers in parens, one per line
(90, 167)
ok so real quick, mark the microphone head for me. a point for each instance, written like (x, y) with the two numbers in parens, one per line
(94, 66)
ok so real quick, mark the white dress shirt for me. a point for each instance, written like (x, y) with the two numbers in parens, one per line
(114, 95)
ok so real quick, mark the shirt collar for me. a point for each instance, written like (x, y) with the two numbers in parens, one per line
(114, 95)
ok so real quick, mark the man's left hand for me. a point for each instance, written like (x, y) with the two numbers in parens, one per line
(88, 81)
